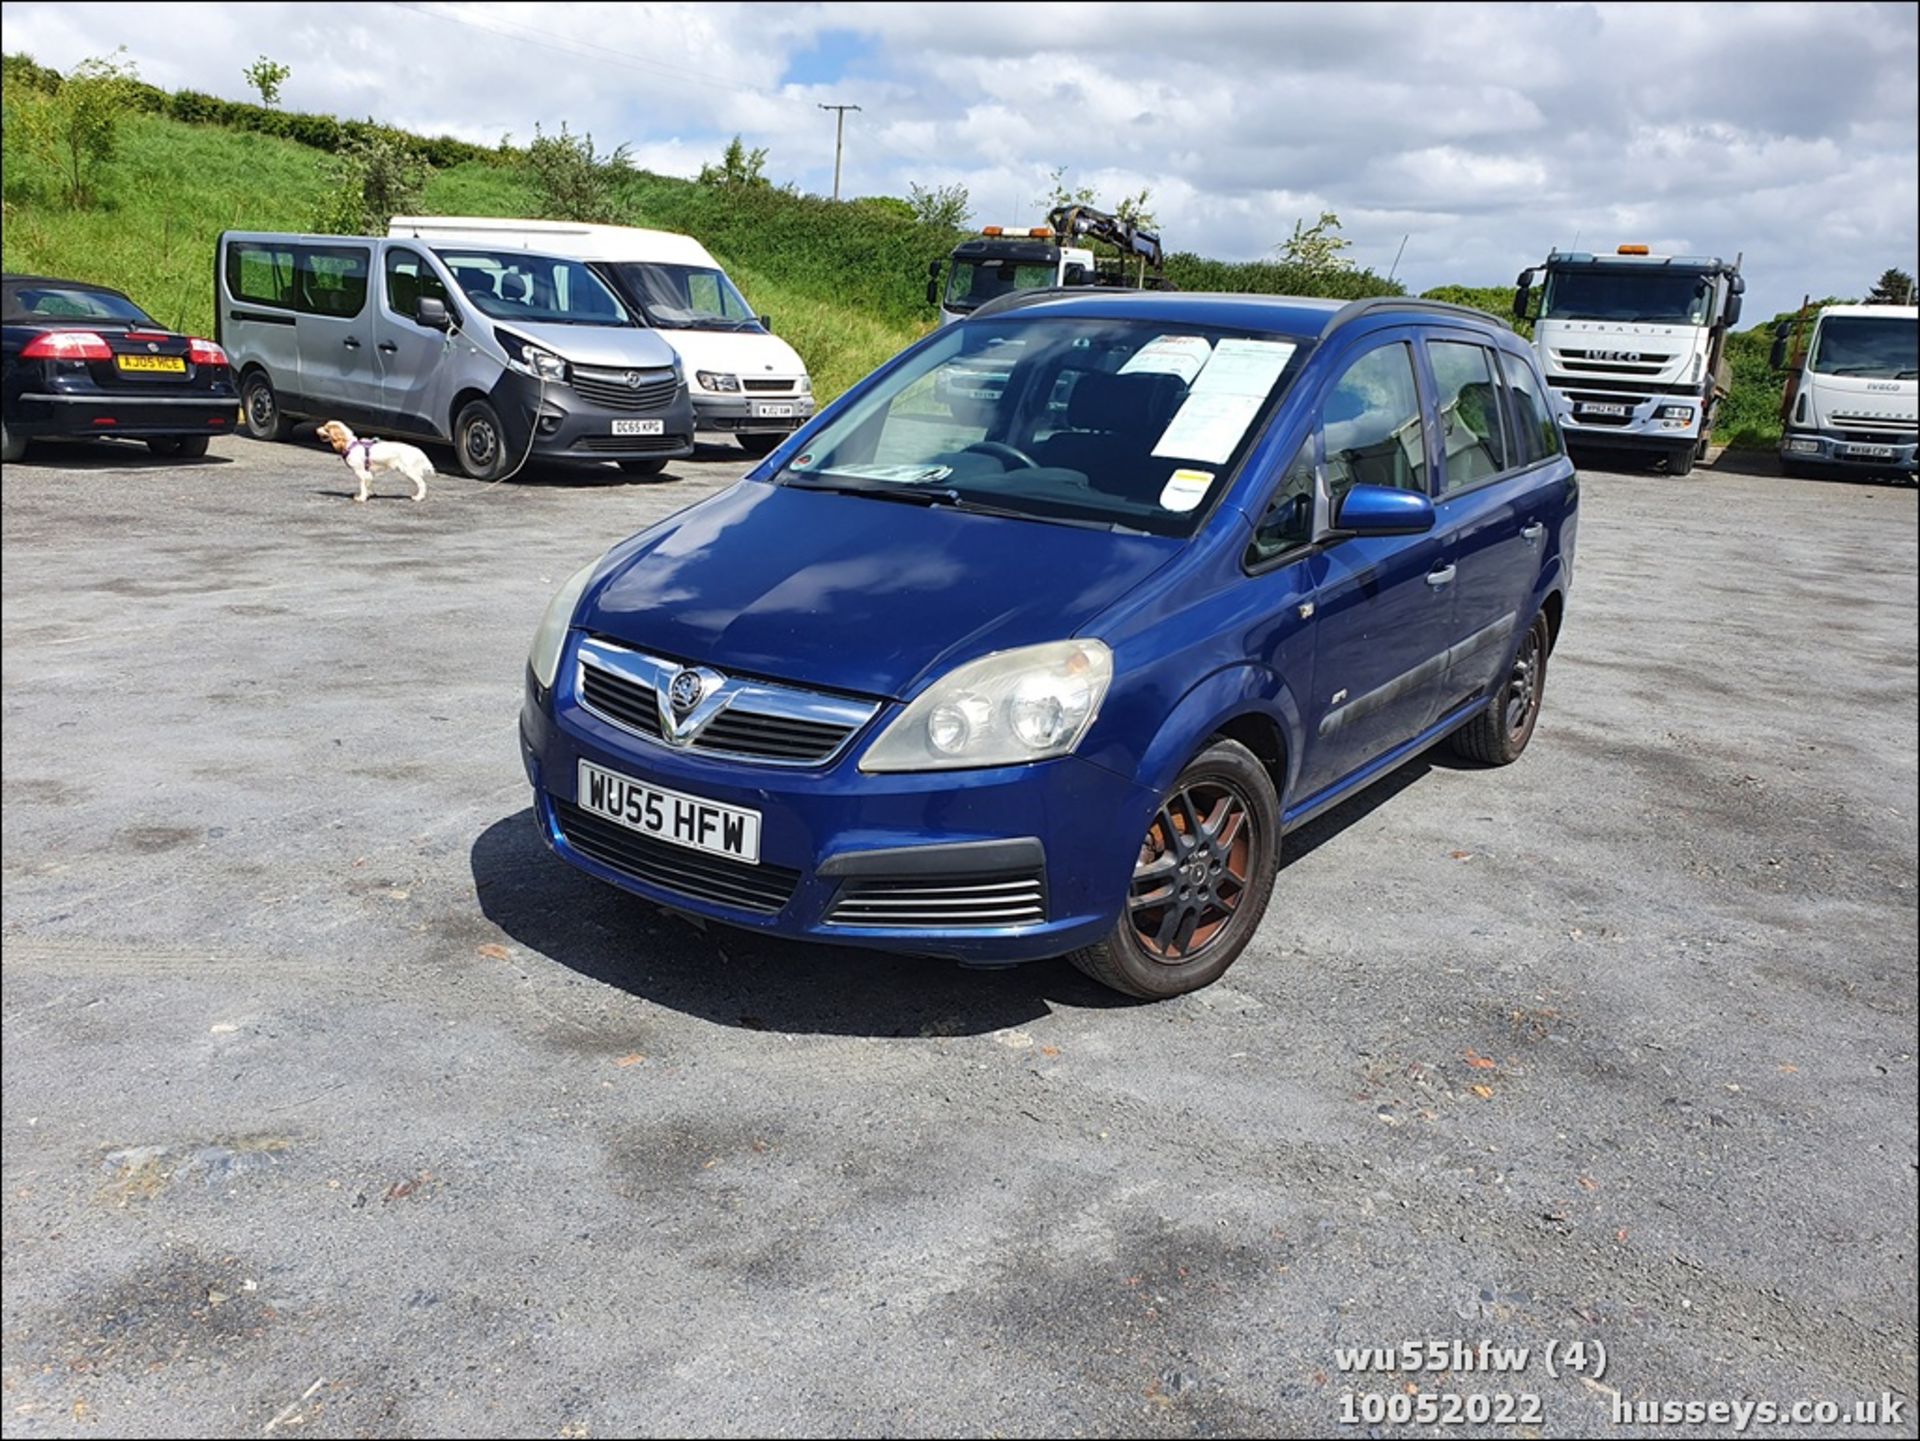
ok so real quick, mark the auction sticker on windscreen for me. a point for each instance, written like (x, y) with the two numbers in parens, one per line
(1223, 397)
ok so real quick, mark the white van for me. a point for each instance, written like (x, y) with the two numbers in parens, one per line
(745, 381)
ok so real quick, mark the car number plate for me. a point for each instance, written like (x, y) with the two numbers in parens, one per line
(164, 364)
(1870, 452)
(1594, 408)
(639, 427)
(765, 411)
(684, 820)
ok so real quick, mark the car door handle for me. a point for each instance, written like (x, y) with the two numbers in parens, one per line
(1442, 576)
(388, 346)
(1533, 532)
(351, 343)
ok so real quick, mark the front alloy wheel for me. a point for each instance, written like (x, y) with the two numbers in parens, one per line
(1200, 882)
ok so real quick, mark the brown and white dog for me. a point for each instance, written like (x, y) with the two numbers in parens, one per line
(364, 457)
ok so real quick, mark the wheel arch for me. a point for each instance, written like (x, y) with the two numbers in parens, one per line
(1245, 703)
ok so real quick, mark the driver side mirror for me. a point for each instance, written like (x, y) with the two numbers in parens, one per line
(766, 323)
(432, 313)
(1383, 510)
(933, 282)
(1733, 310)
(1522, 294)
(1777, 359)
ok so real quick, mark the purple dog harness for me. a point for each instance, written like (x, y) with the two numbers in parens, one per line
(365, 447)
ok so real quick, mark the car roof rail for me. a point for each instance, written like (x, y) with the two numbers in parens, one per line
(1375, 304)
(1013, 300)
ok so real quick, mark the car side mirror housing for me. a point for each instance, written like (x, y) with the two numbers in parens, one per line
(432, 313)
(1382, 510)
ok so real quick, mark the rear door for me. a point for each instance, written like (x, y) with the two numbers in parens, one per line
(336, 330)
(1383, 618)
(412, 360)
(1483, 513)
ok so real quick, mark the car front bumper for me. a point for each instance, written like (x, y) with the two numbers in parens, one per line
(1826, 447)
(1073, 824)
(74, 414)
(749, 414)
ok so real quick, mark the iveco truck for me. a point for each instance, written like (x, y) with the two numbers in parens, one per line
(1852, 400)
(1633, 346)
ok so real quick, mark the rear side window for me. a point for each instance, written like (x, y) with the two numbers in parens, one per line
(1372, 427)
(333, 280)
(1536, 436)
(261, 272)
(1469, 413)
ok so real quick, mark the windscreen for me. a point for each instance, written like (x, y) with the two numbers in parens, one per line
(1129, 424)
(685, 297)
(538, 289)
(29, 301)
(1638, 295)
(972, 283)
(1887, 347)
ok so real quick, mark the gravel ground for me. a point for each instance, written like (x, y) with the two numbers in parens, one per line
(334, 1105)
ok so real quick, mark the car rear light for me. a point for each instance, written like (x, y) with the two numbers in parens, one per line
(205, 352)
(105, 420)
(67, 345)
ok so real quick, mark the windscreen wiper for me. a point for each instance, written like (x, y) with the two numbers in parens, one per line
(910, 495)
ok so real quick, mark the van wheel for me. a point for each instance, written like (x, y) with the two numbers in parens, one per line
(261, 409)
(1201, 881)
(762, 443)
(1499, 733)
(1680, 458)
(182, 447)
(12, 447)
(643, 467)
(480, 441)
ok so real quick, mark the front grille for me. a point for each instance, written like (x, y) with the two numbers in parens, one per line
(772, 724)
(769, 387)
(630, 444)
(1878, 425)
(940, 903)
(762, 889)
(609, 388)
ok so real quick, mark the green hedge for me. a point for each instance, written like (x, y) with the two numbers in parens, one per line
(1272, 277)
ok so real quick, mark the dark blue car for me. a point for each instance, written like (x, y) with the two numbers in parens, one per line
(1038, 640)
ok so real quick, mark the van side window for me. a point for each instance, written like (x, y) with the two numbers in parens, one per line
(260, 272)
(1288, 523)
(1469, 413)
(1372, 427)
(333, 280)
(408, 279)
(1536, 434)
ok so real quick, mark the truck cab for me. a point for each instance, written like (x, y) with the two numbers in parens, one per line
(1633, 347)
(1852, 399)
(1001, 262)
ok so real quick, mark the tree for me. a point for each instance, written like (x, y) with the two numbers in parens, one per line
(75, 127)
(1316, 248)
(1060, 193)
(1894, 287)
(1133, 210)
(371, 178)
(739, 167)
(945, 206)
(267, 76)
(573, 180)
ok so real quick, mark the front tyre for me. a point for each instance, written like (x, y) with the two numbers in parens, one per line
(761, 442)
(260, 408)
(480, 441)
(643, 467)
(1680, 459)
(1200, 883)
(1499, 733)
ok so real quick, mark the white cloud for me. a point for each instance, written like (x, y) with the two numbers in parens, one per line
(1485, 133)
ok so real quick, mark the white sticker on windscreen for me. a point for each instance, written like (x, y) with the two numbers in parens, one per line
(1182, 355)
(1185, 489)
(1208, 426)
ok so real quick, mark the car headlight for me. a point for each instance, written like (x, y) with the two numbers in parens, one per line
(551, 638)
(716, 380)
(1019, 705)
(529, 359)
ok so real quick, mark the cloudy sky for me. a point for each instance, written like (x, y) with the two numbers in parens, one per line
(1485, 133)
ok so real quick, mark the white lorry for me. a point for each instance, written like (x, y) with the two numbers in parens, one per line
(744, 380)
(1852, 397)
(999, 261)
(1633, 346)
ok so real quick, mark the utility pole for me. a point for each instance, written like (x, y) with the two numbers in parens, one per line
(839, 140)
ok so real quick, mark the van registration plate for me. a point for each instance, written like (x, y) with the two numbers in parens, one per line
(639, 427)
(764, 410)
(1869, 452)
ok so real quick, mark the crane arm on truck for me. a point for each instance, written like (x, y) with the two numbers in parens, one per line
(1075, 222)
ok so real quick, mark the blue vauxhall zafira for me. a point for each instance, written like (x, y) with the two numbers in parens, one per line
(1037, 641)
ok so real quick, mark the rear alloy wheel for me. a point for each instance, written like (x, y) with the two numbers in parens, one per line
(1201, 880)
(480, 441)
(260, 408)
(761, 442)
(643, 467)
(1499, 733)
(181, 447)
